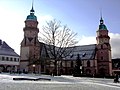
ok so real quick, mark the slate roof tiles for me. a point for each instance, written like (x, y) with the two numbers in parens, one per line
(5, 49)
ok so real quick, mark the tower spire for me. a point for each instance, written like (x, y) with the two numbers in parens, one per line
(32, 16)
(101, 19)
(32, 10)
(102, 25)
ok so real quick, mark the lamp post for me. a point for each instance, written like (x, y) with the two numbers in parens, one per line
(81, 69)
(57, 68)
(33, 68)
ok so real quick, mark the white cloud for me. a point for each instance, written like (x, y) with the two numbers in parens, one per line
(42, 19)
(12, 24)
(115, 44)
(11, 31)
(85, 40)
(11, 28)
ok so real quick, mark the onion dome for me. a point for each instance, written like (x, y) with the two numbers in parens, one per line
(102, 25)
(31, 16)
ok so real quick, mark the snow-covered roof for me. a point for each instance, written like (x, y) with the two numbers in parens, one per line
(5, 49)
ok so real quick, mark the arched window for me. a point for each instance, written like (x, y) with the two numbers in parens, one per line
(101, 46)
(102, 58)
(3, 58)
(88, 71)
(71, 63)
(102, 71)
(88, 63)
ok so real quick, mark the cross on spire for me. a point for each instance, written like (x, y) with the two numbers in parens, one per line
(32, 16)
(101, 20)
(32, 10)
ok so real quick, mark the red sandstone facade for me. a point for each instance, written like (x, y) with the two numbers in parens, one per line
(31, 48)
(104, 63)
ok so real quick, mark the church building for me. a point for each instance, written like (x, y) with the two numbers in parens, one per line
(95, 58)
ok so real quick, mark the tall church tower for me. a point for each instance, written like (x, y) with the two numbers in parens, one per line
(29, 51)
(104, 64)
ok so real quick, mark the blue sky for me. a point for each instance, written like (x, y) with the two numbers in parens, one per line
(82, 16)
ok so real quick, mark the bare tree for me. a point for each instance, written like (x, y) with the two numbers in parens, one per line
(59, 40)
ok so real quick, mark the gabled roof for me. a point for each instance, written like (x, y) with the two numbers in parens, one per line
(86, 52)
(5, 49)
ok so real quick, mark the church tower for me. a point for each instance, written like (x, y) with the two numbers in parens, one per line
(29, 50)
(104, 64)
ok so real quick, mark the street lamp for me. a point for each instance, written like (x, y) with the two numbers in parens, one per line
(57, 67)
(80, 69)
(33, 68)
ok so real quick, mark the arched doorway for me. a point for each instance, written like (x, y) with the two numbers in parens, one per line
(2, 68)
(8, 68)
(71, 71)
(102, 72)
(61, 71)
(47, 72)
(88, 72)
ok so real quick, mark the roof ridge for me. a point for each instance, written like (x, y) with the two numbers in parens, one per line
(6, 46)
(85, 45)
